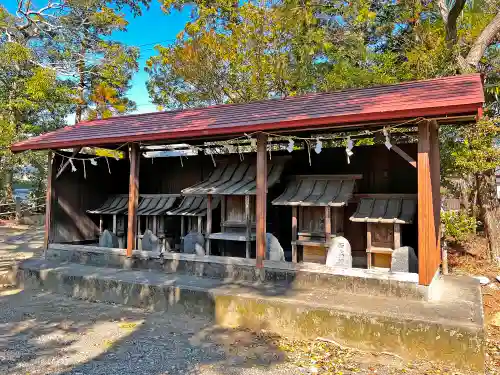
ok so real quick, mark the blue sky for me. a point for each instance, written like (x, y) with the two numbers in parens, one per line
(153, 27)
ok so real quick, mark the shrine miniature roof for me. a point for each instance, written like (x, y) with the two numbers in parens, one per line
(236, 179)
(194, 206)
(156, 204)
(114, 205)
(318, 190)
(386, 208)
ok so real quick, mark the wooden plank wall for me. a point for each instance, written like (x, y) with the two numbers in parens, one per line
(73, 194)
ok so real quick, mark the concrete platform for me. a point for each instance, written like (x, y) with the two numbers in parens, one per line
(296, 275)
(448, 329)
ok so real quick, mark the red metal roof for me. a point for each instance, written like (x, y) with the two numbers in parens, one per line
(462, 94)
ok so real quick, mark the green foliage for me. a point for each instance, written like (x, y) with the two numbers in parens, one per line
(53, 62)
(457, 225)
(469, 150)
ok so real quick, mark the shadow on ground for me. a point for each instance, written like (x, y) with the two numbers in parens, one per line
(43, 333)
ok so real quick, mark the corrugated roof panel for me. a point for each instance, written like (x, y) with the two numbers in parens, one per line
(318, 190)
(445, 96)
(237, 179)
(156, 204)
(386, 209)
(194, 206)
(114, 205)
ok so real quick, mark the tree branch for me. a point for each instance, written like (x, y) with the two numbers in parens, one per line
(484, 39)
(450, 17)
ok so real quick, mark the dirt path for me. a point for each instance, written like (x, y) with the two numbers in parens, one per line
(18, 242)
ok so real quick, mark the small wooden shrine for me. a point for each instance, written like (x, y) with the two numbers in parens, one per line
(195, 210)
(151, 213)
(383, 215)
(116, 207)
(317, 212)
(235, 185)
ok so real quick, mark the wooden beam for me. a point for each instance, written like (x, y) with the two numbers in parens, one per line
(261, 199)
(404, 155)
(66, 163)
(429, 255)
(248, 223)
(294, 234)
(209, 224)
(133, 197)
(48, 203)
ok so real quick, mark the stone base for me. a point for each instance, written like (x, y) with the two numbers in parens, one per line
(449, 330)
(299, 275)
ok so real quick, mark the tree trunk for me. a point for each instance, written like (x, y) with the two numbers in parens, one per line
(9, 190)
(490, 212)
(81, 88)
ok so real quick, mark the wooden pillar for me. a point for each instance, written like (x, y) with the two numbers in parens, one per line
(100, 224)
(114, 225)
(368, 245)
(209, 224)
(294, 234)
(397, 236)
(328, 224)
(48, 204)
(133, 197)
(261, 199)
(200, 224)
(248, 223)
(429, 255)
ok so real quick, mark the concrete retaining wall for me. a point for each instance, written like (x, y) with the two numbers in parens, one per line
(300, 275)
(458, 344)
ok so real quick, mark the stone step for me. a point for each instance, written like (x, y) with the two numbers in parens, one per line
(303, 275)
(449, 330)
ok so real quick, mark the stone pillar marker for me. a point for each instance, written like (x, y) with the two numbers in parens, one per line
(339, 253)
(404, 260)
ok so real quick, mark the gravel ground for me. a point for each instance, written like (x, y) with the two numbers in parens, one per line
(44, 333)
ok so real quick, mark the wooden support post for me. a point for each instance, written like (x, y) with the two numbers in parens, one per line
(114, 225)
(328, 224)
(209, 224)
(101, 224)
(368, 245)
(18, 210)
(48, 204)
(429, 254)
(133, 197)
(155, 225)
(248, 224)
(294, 234)
(200, 224)
(397, 236)
(222, 210)
(261, 198)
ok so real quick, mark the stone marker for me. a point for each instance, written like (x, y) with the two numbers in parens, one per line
(194, 243)
(404, 260)
(108, 239)
(339, 253)
(274, 251)
(150, 242)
